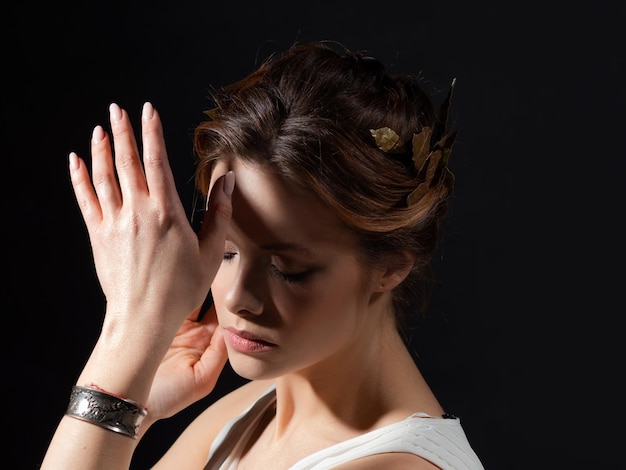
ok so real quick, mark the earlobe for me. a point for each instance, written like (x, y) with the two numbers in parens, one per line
(397, 269)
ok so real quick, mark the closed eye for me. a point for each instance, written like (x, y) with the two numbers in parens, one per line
(284, 276)
(290, 278)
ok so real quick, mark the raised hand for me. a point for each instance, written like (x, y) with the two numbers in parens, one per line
(146, 253)
(190, 367)
(155, 272)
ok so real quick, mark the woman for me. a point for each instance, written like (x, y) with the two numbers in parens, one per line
(315, 260)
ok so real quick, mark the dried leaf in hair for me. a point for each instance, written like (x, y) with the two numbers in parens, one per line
(445, 144)
(417, 194)
(212, 113)
(433, 165)
(444, 111)
(431, 160)
(386, 138)
(421, 147)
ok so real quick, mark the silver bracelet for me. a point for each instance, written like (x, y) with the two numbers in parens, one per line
(95, 406)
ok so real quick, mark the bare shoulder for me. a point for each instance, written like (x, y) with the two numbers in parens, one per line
(395, 460)
(191, 448)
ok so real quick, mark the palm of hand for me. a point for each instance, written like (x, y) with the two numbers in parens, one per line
(190, 368)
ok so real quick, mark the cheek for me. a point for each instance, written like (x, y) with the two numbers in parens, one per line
(325, 305)
(335, 298)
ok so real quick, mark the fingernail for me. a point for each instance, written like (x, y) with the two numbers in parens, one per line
(148, 111)
(98, 134)
(229, 183)
(115, 111)
(73, 161)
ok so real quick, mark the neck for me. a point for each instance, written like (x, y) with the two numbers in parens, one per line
(357, 388)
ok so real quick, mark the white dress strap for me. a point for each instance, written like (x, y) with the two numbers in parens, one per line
(441, 441)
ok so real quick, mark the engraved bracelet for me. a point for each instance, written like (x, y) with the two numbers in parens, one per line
(95, 406)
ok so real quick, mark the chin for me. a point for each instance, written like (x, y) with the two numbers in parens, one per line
(252, 368)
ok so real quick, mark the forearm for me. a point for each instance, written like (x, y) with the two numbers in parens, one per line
(123, 363)
(83, 446)
(155, 271)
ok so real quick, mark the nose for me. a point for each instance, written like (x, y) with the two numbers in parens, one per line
(245, 295)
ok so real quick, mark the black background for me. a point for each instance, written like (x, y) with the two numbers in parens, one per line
(523, 339)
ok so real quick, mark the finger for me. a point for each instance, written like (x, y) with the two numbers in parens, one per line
(216, 220)
(130, 173)
(213, 359)
(159, 177)
(84, 191)
(103, 173)
(218, 345)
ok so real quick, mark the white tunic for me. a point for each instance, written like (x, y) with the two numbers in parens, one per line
(441, 441)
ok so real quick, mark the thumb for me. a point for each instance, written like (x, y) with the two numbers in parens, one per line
(216, 220)
(212, 362)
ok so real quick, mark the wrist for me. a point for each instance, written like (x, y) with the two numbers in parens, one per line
(124, 361)
(101, 408)
(143, 326)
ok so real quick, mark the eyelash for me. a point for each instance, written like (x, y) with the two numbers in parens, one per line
(277, 273)
(290, 278)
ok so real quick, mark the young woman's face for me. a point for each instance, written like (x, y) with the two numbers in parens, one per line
(291, 294)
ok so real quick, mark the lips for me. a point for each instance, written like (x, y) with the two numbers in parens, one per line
(246, 342)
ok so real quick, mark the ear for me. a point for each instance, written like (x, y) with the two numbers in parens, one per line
(395, 271)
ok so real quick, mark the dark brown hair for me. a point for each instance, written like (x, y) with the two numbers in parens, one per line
(308, 114)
